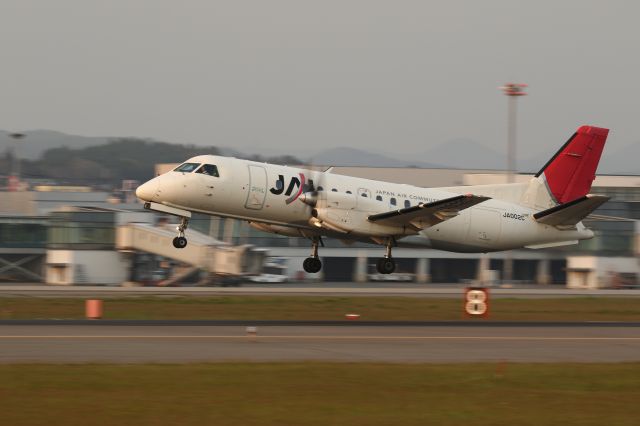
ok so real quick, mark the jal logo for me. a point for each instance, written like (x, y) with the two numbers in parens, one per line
(296, 183)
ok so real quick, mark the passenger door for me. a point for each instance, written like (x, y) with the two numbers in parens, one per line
(257, 188)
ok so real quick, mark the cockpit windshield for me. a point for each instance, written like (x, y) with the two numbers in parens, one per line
(208, 169)
(186, 167)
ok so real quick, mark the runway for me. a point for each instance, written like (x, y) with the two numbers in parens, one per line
(347, 289)
(136, 343)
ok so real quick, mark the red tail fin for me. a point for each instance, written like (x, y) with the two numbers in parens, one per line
(570, 172)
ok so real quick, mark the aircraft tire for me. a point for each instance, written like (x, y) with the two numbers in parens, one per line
(179, 242)
(386, 265)
(312, 265)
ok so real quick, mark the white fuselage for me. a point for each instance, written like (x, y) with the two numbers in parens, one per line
(271, 197)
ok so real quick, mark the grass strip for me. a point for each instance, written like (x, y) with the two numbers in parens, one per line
(324, 308)
(320, 394)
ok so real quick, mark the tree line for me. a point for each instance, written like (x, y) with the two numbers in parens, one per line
(108, 164)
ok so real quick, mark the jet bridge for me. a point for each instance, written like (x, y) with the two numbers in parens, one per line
(203, 252)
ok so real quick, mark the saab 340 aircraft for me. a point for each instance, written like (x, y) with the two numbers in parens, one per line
(544, 212)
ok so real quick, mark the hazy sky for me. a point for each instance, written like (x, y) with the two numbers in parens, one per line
(299, 76)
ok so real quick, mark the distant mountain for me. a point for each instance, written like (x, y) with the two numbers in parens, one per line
(464, 154)
(614, 161)
(229, 152)
(101, 161)
(36, 142)
(356, 157)
(107, 164)
(455, 153)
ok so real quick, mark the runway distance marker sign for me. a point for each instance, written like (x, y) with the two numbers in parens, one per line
(476, 302)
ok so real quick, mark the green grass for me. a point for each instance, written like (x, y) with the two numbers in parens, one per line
(320, 394)
(324, 308)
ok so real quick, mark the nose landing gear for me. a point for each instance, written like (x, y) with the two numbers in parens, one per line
(387, 265)
(180, 241)
(313, 264)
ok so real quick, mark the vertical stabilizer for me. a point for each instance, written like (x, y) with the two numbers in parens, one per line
(568, 175)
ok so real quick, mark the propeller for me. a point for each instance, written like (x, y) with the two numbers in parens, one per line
(314, 185)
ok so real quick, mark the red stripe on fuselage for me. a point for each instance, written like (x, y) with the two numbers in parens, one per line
(303, 181)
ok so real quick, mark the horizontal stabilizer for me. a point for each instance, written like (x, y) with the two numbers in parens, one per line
(428, 214)
(569, 214)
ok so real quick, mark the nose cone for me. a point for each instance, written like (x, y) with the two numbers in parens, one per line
(147, 190)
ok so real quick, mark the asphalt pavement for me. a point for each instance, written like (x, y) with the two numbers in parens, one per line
(297, 289)
(241, 341)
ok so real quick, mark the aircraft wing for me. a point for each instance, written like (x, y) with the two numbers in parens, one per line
(425, 215)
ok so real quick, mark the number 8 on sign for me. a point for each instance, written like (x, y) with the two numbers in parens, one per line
(476, 302)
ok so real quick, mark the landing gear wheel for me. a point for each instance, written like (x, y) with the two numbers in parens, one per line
(180, 242)
(312, 265)
(386, 265)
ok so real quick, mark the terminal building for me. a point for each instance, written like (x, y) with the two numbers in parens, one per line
(76, 238)
(35, 224)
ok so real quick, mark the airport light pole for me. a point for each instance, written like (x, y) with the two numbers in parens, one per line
(513, 91)
(14, 178)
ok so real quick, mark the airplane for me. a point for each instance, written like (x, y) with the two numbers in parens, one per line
(546, 211)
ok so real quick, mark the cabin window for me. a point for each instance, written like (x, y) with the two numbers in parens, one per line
(334, 190)
(407, 203)
(349, 192)
(186, 167)
(364, 192)
(208, 169)
(393, 201)
(320, 189)
(379, 197)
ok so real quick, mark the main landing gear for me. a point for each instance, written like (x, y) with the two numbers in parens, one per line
(180, 241)
(313, 264)
(387, 265)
